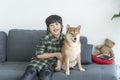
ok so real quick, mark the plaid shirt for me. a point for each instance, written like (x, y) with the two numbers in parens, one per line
(47, 44)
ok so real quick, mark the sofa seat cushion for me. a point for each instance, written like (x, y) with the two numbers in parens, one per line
(12, 70)
(92, 72)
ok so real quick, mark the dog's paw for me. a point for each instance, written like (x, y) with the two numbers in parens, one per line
(67, 73)
(82, 69)
(57, 69)
(63, 68)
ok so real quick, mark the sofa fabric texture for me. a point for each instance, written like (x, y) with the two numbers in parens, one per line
(23, 43)
(3, 39)
(18, 47)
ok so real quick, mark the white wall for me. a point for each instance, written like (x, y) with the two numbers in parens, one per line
(93, 15)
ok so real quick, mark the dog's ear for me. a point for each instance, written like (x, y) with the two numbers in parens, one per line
(79, 27)
(68, 26)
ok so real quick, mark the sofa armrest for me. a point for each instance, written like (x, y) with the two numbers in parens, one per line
(3, 39)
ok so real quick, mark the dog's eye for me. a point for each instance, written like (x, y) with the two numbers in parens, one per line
(71, 33)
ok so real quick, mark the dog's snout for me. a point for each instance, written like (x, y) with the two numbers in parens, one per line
(75, 38)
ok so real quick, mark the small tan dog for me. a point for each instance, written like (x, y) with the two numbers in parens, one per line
(71, 50)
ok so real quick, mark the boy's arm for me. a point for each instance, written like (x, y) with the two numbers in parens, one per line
(49, 55)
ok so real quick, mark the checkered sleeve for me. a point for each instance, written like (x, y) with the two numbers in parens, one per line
(40, 48)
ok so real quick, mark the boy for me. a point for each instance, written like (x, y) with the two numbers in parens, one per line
(47, 52)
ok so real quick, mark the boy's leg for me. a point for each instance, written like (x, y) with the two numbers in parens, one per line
(46, 73)
(29, 74)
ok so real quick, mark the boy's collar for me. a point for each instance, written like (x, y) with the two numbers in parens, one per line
(52, 36)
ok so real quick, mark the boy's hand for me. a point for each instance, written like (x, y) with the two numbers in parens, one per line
(58, 55)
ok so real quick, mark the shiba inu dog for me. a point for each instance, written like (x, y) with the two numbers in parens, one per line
(71, 50)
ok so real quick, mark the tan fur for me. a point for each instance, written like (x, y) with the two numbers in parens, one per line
(71, 50)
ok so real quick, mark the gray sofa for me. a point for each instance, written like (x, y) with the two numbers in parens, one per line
(18, 46)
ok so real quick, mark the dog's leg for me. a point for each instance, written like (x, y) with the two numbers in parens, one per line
(79, 63)
(59, 65)
(67, 65)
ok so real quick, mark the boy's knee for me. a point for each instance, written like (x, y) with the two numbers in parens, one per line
(31, 70)
(29, 74)
(45, 74)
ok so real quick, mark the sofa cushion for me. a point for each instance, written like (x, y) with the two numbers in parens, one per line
(21, 44)
(3, 38)
(86, 51)
(14, 70)
(86, 54)
(93, 72)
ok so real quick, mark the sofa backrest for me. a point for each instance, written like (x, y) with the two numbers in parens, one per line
(21, 44)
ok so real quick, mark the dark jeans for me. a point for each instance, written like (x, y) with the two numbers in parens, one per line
(31, 73)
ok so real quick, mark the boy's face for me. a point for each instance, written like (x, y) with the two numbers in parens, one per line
(55, 29)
